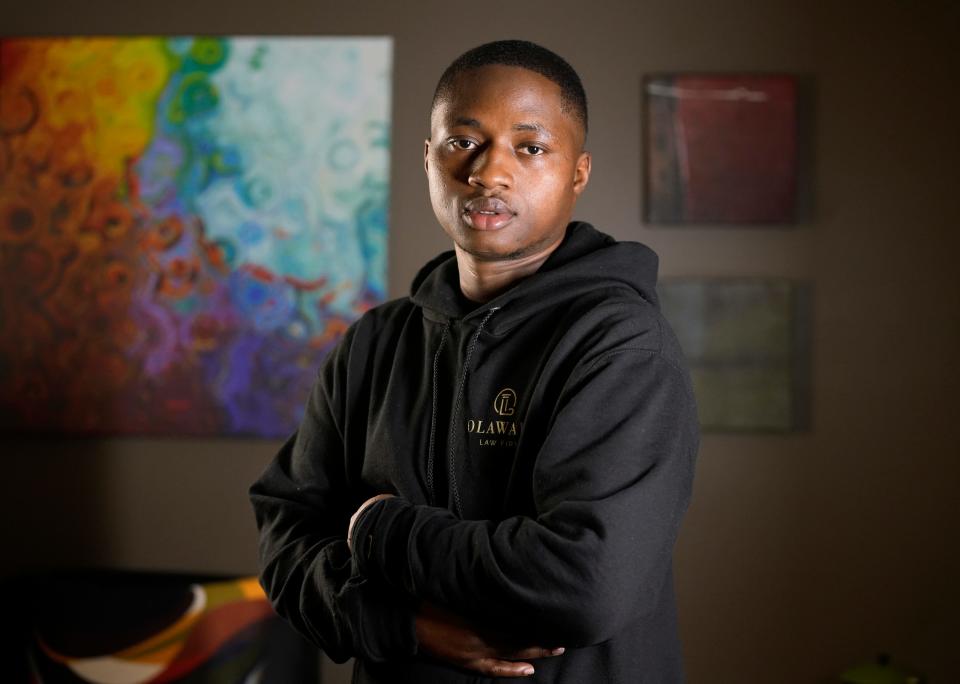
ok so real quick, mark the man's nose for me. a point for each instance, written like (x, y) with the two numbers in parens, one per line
(492, 167)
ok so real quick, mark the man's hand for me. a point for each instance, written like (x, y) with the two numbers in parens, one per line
(453, 640)
(356, 516)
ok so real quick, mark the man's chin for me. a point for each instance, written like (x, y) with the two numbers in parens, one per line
(484, 248)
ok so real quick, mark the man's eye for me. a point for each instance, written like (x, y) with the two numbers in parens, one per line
(533, 149)
(462, 144)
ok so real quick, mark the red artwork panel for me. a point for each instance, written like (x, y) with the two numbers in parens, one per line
(721, 149)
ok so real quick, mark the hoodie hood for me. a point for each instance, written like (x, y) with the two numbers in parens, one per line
(586, 260)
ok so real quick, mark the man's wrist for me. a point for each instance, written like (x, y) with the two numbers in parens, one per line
(381, 538)
(360, 513)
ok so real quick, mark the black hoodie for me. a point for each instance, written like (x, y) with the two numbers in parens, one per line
(541, 447)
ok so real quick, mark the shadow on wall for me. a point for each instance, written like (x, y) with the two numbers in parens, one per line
(55, 504)
(165, 505)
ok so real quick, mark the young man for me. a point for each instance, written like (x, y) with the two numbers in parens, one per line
(491, 472)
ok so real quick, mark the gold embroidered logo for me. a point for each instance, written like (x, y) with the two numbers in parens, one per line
(505, 403)
(498, 433)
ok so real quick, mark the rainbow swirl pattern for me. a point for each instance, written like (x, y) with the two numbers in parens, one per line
(187, 226)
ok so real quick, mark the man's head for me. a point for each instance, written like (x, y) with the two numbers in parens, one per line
(505, 158)
(527, 55)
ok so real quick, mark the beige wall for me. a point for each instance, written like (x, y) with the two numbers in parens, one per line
(801, 554)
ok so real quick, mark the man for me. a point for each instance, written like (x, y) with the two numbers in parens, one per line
(490, 474)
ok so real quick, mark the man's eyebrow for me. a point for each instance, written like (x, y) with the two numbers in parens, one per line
(466, 121)
(535, 127)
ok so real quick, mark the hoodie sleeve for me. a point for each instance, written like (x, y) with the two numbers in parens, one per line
(611, 482)
(303, 504)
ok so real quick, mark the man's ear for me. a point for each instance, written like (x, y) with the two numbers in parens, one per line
(581, 173)
(426, 155)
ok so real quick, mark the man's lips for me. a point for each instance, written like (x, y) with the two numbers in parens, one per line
(487, 213)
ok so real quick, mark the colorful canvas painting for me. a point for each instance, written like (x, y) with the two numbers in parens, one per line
(748, 345)
(721, 149)
(187, 226)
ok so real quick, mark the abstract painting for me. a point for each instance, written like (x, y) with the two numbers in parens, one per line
(721, 149)
(187, 226)
(747, 342)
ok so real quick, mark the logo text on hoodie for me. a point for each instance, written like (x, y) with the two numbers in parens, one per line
(499, 433)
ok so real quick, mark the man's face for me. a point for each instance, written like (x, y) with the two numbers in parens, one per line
(504, 162)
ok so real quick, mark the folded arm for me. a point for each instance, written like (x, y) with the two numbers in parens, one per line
(303, 504)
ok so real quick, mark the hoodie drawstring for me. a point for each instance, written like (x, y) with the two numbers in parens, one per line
(455, 418)
(433, 418)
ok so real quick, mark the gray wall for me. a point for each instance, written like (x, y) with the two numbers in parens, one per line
(801, 554)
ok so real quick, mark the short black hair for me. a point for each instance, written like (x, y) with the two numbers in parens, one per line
(521, 53)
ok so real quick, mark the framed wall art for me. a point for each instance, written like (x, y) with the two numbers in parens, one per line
(747, 342)
(187, 225)
(720, 149)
